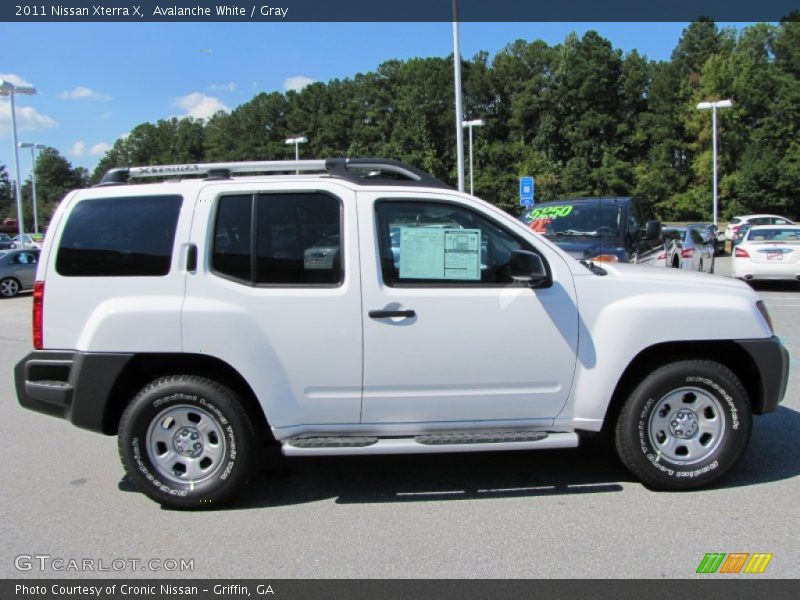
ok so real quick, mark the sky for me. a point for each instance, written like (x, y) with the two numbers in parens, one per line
(96, 81)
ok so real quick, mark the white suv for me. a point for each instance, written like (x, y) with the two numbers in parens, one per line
(363, 307)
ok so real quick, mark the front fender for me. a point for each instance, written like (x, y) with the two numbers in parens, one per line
(620, 323)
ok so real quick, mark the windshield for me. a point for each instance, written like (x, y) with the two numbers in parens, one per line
(777, 234)
(593, 219)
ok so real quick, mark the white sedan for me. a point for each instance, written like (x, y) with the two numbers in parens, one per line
(27, 243)
(768, 252)
(737, 222)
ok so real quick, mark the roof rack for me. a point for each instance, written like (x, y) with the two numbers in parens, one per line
(371, 171)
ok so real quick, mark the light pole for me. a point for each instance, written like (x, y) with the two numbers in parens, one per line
(9, 89)
(296, 141)
(471, 124)
(34, 148)
(714, 106)
(459, 110)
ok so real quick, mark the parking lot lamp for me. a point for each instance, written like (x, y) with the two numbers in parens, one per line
(714, 106)
(9, 89)
(34, 148)
(296, 141)
(471, 124)
(459, 109)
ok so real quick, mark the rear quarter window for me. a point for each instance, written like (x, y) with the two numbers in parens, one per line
(119, 237)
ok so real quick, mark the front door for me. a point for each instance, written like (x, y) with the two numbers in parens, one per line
(448, 336)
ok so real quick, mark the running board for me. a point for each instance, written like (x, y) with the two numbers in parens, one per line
(462, 441)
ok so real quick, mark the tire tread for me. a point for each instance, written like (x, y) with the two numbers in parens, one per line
(627, 447)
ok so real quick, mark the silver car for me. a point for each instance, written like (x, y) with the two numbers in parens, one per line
(689, 249)
(17, 271)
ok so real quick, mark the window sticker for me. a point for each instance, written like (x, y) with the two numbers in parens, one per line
(462, 259)
(421, 253)
(440, 253)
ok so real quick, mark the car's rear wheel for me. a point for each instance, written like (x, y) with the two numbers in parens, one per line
(187, 442)
(9, 287)
(685, 425)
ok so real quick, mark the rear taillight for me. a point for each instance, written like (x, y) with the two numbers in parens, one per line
(687, 253)
(741, 253)
(38, 315)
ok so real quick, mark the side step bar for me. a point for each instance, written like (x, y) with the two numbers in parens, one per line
(462, 441)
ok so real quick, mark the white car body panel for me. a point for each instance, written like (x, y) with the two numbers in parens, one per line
(617, 323)
(114, 314)
(491, 358)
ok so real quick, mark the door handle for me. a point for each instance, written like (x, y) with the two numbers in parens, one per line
(191, 258)
(386, 314)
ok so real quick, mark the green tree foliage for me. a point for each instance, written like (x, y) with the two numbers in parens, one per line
(581, 116)
(6, 194)
(55, 177)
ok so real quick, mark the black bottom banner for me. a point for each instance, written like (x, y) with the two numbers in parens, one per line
(393, 589)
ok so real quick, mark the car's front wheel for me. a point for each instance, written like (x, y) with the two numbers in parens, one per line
(187, 442)
(685, 425)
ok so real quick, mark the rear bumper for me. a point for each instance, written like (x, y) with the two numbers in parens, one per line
(772, 361)
(747, 269)
(75, 386)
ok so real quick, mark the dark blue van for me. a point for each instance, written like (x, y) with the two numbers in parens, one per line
(601, 229)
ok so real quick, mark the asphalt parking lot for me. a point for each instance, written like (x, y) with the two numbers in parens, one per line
(571, 513)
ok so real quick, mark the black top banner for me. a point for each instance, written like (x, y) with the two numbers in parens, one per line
(399, 10)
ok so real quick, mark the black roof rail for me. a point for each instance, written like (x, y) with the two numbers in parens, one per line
(114, 177)
(371, 171)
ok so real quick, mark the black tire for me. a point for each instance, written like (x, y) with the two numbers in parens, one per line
(9, 287)
(654, 431)
(167, 409)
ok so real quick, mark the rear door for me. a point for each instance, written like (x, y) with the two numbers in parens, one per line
(276, 294)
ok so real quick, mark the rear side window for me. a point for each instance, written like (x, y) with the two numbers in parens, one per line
(697, 238)
(297, 239)
(119, 237)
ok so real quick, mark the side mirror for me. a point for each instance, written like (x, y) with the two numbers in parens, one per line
(652, 230)
(527, 266)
